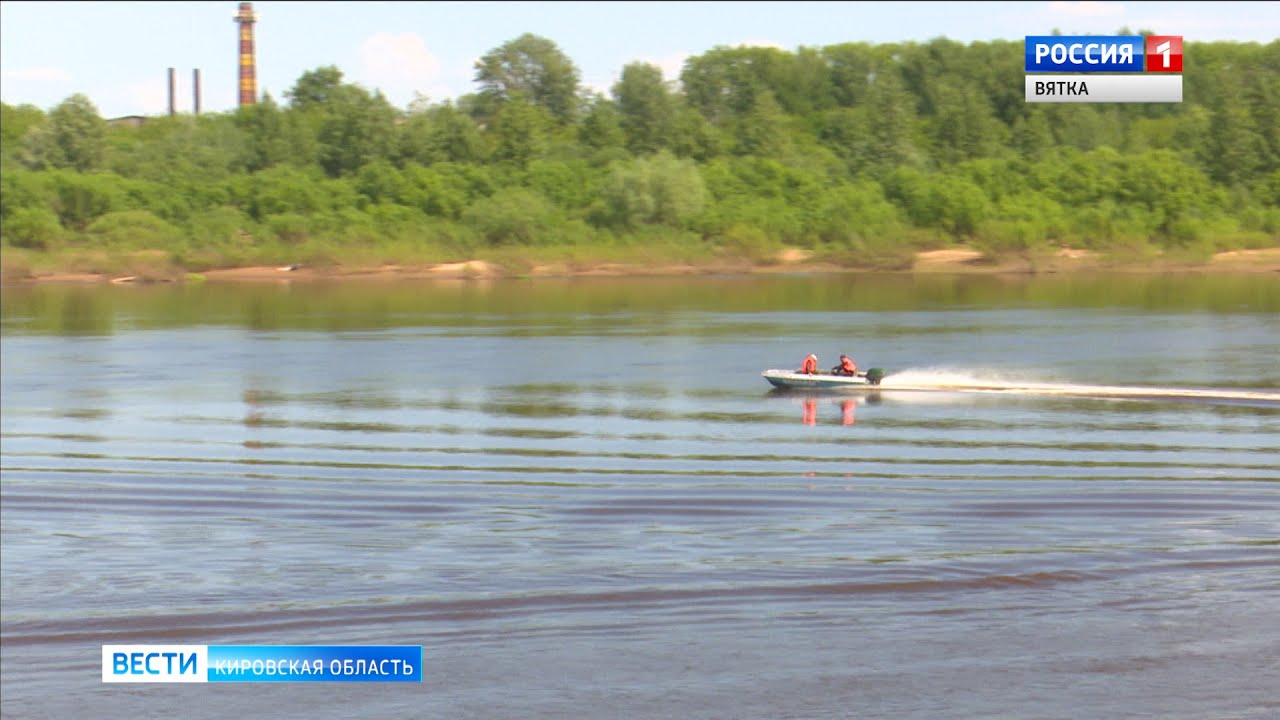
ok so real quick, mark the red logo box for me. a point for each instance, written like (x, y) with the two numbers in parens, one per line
(1164, 53)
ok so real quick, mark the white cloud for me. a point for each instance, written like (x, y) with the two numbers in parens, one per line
(39, 74)
(399, 65)
(1086, 8)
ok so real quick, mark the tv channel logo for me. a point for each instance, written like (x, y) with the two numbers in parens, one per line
(1103, 68)
(1084, 53)
(1164, 53)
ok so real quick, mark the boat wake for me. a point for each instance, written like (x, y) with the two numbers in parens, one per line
(970, 381)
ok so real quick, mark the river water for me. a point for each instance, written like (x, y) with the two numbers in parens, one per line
(583, 501)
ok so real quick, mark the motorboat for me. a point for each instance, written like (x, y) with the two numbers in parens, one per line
(791, 379)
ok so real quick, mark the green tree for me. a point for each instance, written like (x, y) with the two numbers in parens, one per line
(851, 66)
(856, 149)
(512, 216)
(72, 136)
(430, 191)
(442, 133)
(267, 141)
(714, 84)
(658, 190)
(357, 128)
(1031, 134)
(961, 204)
(315, 88)
(342, 125)
(24, 189)
(1237, 151)
(890, 124)
(855, 216)
(1081, 126)
(807, 88)
(646, 108)
(32, 227)
(1262, 90)
(1168, 188)
(763, 131)
(15, 121)
(380, 182)
(531, 69)
(601, 127)
(79, 199)
(283, 189)
(964, 126)
(844, 131)
(133, 230)
(694, 137)
(723, 82)
(570, 184)
(445, 188)
(520, 133)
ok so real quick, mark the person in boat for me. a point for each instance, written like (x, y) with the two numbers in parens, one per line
(846, 367)
(810, 366)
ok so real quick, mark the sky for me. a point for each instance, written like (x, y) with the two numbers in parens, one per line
(118, 53)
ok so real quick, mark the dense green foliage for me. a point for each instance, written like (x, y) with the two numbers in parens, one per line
(859, 152)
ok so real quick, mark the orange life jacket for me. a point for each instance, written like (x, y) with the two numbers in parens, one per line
(849, 366)
(810, 365)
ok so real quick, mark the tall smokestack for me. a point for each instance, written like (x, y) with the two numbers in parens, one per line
(172, 82)
(248, 79)
(195, 89)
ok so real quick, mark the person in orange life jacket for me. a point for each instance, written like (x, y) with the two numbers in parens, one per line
(810, 366)
(846, 367)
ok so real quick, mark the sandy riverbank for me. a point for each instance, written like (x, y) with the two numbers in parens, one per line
(791, 260)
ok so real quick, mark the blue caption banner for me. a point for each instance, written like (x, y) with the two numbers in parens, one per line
(315, 663)
(261, 663)
(1084, 53)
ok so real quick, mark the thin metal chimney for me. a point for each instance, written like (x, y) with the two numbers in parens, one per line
(195, 84)
(172, 83)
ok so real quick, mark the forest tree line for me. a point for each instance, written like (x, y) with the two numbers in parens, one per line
(863, 153)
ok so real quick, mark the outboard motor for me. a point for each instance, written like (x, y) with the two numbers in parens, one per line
(875, 375)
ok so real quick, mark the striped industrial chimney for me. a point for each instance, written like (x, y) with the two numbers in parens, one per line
(248, 79)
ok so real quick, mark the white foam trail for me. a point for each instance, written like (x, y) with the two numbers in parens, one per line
(980, 381)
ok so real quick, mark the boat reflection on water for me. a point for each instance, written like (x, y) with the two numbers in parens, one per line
(810, 416)
(810, 402)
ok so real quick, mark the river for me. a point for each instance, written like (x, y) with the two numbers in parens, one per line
(583, 500)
